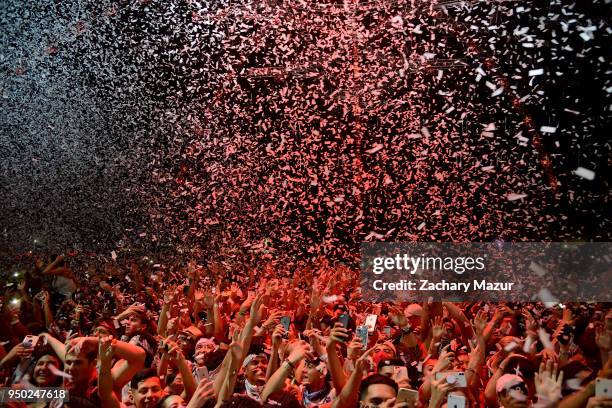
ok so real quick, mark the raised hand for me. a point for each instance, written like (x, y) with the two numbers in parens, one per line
(42, 297)
(530, 323)
(299, 351)
(480, 322)
(354, 349)
(603, 338)
(257, 309)
(446, 356)
(439, 389)
(204, 393)
(105, 351)
(277, 335)
(272, 319)
(172, 350)
(235, 346)
(337, 335)
(437, 327)
(398, 317)
(19, 351)
(548, 383)
(363, 363)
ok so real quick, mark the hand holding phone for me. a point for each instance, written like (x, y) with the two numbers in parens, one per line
(603, 387)
(408, 396)
(362, 335)
(455, 378)
(343, 319)
(285, 321)
(30, 342)
(370, 322)
(456, 401)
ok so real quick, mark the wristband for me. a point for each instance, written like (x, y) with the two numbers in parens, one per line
(290, 364)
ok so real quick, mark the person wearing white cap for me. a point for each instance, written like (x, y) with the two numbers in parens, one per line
(511, 391)
(254, 366)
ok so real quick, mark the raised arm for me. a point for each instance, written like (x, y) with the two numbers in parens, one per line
(277, 381)
(338, 335)
(349, 396)
(131, 360)
(108, 399)
(58, 347)
(229, 381)
(176, 356)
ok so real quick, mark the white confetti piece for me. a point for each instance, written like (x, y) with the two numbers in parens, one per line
(584, 173)
(515, 196)
(498, 91)
(510, 346)
(536, 72)
(545, 339)
(374, 235)
(548, 129)
(547, 298)
(375, 148)
(574, 384)
(537, 269)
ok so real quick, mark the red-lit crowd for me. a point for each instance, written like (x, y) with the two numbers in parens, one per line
(123, 336)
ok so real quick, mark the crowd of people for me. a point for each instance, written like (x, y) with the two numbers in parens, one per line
(122, 336)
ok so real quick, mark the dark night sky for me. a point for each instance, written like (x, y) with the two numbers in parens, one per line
(137, 125)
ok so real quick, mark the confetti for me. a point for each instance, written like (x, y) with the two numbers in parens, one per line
(584, 173)
(536, 72)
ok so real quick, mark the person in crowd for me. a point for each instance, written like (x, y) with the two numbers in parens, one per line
(196, 339)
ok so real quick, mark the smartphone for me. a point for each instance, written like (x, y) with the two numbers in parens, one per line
(185, 290)
(116, 324)
(387, 331)
(400, 373)
(30, 341)
(456, 378)
(370, 322)
(202, 373)
(285, 321)
(456, 401)
(407, 395)
(603, 387)
(344, 320)
(202, 315)
(362, 335)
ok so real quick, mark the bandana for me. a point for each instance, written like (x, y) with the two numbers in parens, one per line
(250, 358)
(315, 397)
(253, 391)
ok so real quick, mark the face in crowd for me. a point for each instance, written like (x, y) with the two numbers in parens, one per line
(376, 390)
(512, 394)
(203, 348)
(255, 370)
(146, 391)
(43, 377)
(311, 374)
(81, 367)
(134, 324)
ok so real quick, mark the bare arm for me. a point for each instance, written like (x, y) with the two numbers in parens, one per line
(338, 335)
(58, 347)
(108, 399)
(349, 396)
(277, 380)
